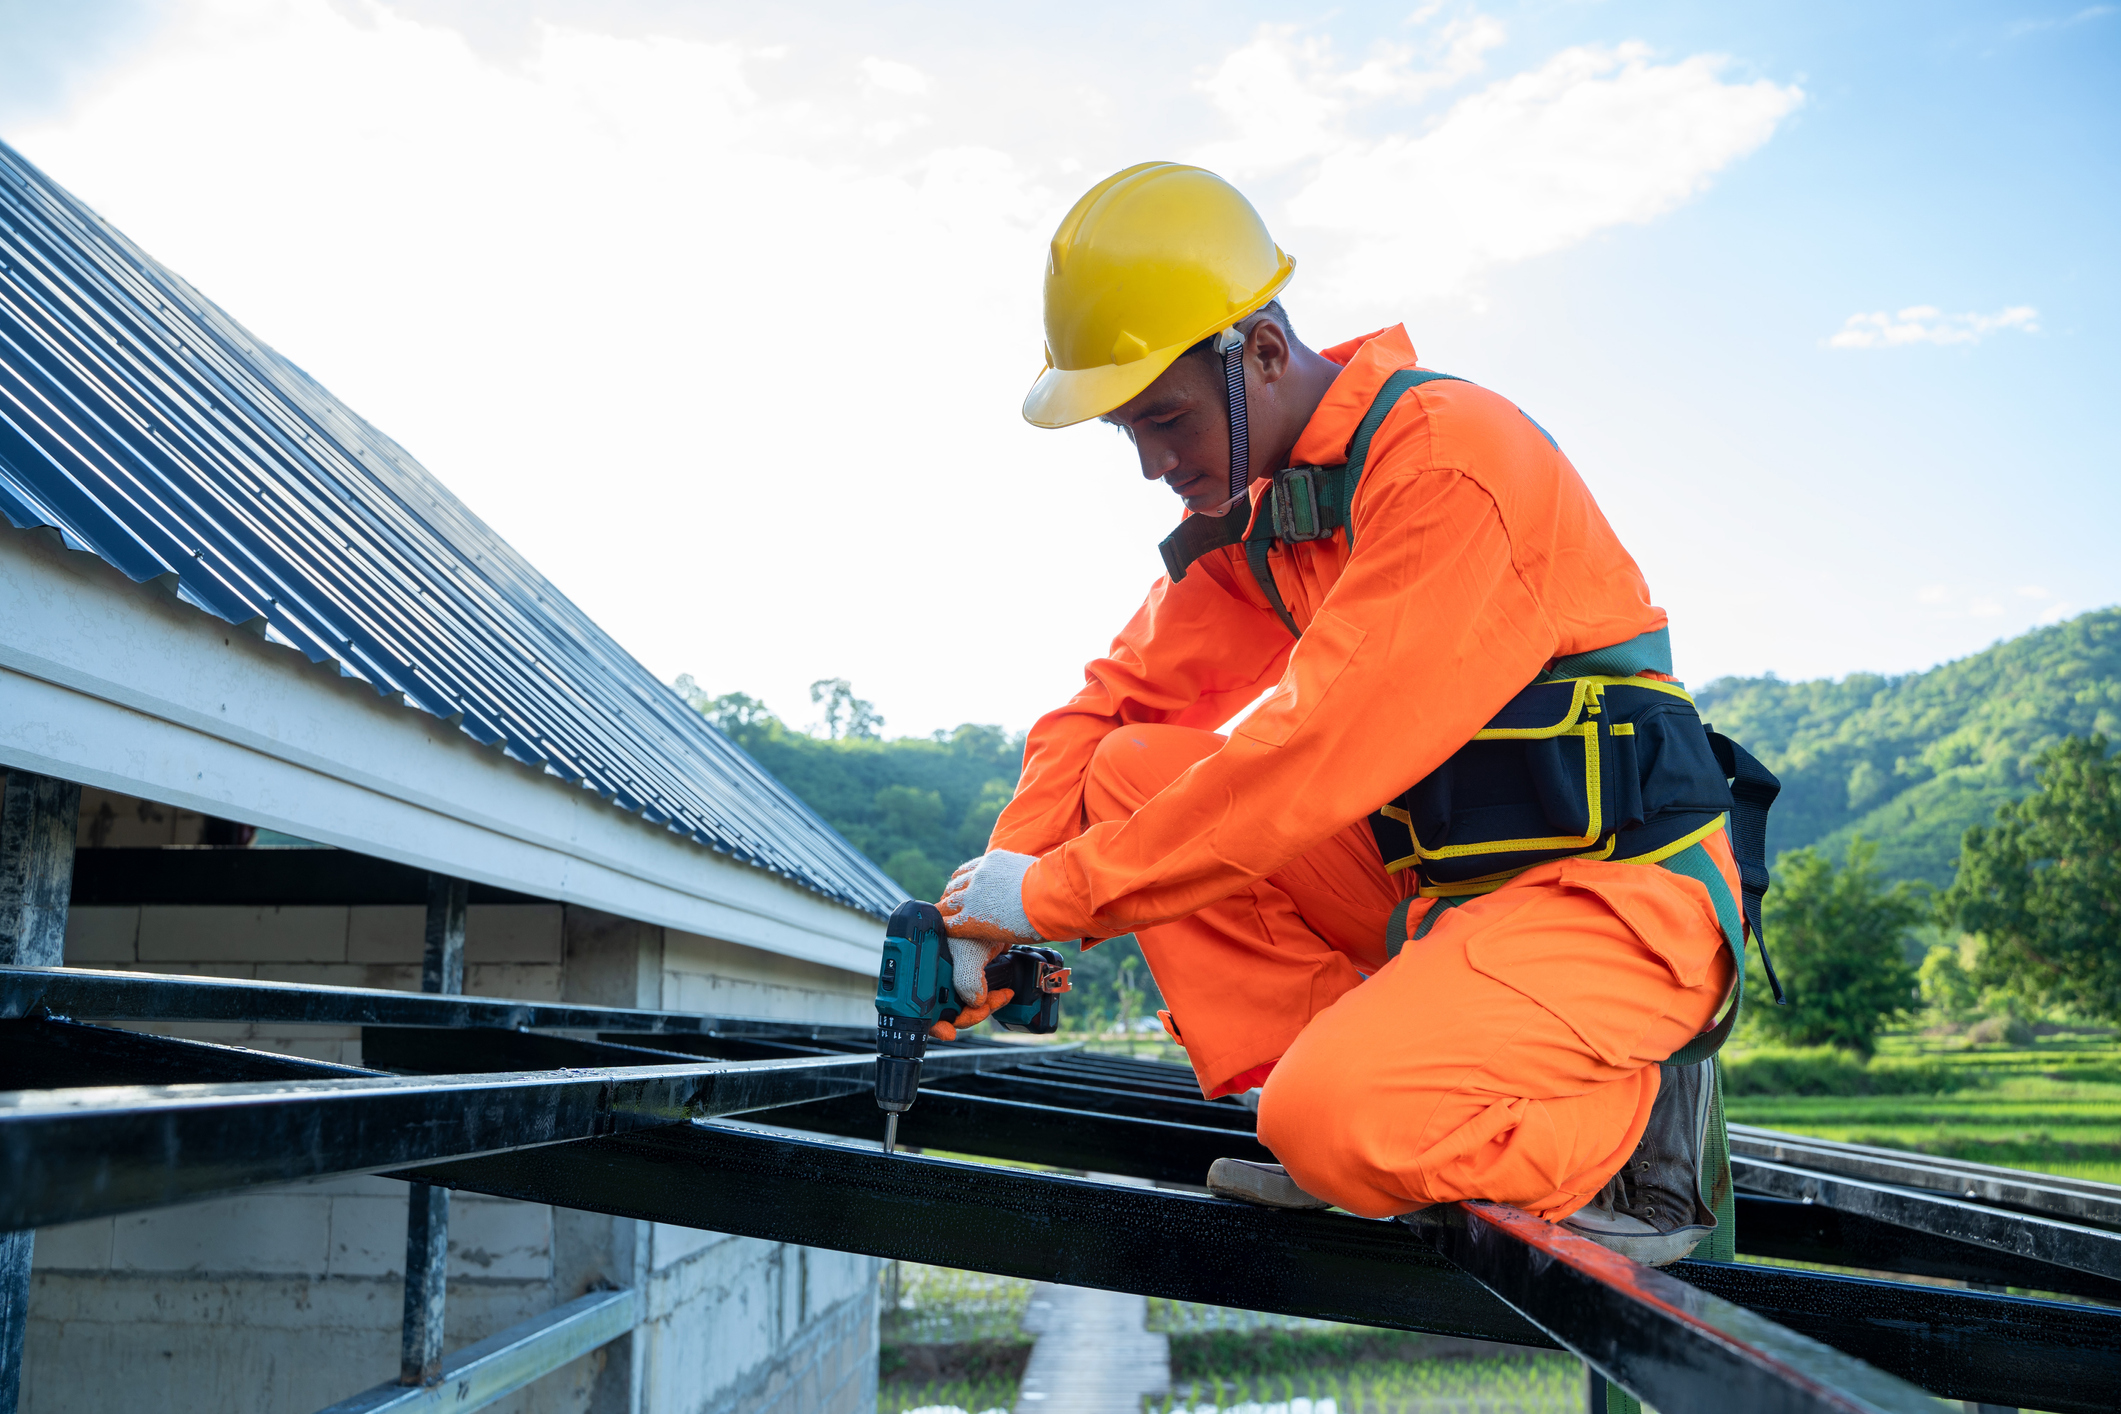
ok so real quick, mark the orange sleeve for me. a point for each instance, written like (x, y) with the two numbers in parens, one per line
(1429, 630)
(1193, 655)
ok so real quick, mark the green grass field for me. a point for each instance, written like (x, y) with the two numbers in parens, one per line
(2053, 1105)
(1247, 1362)
(1534, 1384)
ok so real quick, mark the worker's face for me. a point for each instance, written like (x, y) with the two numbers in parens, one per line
(1180, 427)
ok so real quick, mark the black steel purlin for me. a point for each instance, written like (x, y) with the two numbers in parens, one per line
(88, 995)
(2048, 1241)
(1668, 1343)
(490, 1108)
(825, 1193)
(67, 1155)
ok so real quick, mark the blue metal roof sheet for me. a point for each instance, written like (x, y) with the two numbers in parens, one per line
(143, 424)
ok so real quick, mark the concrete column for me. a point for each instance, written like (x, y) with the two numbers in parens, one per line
(38, 819)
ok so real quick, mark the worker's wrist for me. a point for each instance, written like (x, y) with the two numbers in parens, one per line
(1051, 911)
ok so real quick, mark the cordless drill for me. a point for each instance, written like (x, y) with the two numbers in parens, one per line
(914, 991)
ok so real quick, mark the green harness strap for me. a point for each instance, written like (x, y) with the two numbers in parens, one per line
(1694, 863)
(1644, 653)
(1311, 502)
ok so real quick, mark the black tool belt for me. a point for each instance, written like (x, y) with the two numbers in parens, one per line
(1591, 767)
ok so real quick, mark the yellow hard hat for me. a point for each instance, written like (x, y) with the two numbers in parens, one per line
(1150, 262)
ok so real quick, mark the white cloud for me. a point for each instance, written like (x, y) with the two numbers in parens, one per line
(2055, 613)
(894, 77)
(1595, 137)
(662, 308)
(2031, 591)
(1927, 324)
(627, 298)
(2089, 12)
(1933, 594)
(1289, 102)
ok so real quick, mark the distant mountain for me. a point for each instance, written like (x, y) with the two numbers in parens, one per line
(1912, 761)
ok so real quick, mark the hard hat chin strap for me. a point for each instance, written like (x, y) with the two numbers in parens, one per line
(1231, 344)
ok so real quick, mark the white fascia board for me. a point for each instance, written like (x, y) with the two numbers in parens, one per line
(123, 686)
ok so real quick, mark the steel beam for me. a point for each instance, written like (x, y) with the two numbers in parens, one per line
(724, 1046)
(2071, 1199)
(1662, 1340)
(442, 966)
(427, 1207)
(850, 1197)
(498, 1366)
(1036, 1134)
(1043, 1084)
(67, 1155)
(47, 1053)
(39, 816)
(256, 878)
(1092, 1070)
(835, 1193)
(2042, 1239)
(426, 1284)
(16, 1251)
(1960, 1344)
(442, 1050)
(90, 995)
(1793, 1231)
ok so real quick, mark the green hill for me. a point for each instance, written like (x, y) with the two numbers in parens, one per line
(1912, 761)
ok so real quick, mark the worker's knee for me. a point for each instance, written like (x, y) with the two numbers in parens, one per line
(1323, 1118)
(1133, 763)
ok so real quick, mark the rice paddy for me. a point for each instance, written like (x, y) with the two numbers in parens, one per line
(1532, 1384)
(2053, 1105)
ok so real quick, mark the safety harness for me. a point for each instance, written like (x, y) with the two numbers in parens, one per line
(1592, 760)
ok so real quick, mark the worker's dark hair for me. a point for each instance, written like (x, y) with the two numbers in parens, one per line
(1270, 310)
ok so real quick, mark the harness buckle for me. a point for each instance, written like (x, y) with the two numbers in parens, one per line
(1292, 498)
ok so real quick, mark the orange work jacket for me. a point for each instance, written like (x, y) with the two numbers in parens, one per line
(1480, 558)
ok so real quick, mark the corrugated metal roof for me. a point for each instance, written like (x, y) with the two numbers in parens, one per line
(145, 425)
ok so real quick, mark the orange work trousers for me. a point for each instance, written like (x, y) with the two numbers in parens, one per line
(1511, 1054)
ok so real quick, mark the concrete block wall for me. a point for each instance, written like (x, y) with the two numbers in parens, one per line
(290, 1298)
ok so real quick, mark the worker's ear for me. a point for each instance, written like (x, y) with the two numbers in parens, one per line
(1268, 348)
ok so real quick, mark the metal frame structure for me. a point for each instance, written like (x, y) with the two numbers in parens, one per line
(658, 1115)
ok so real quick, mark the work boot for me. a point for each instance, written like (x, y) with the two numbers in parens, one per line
(1266, 1185)
(1652, 1211)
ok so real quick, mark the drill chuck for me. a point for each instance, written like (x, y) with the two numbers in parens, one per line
(901, 1045)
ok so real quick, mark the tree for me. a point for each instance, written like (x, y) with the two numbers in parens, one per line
(847, 717)
(1836, 936)
(915, 805)
(1948, 986)
(733, 713)
(2043, 885)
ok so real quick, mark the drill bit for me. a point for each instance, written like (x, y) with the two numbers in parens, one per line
(890, 1132)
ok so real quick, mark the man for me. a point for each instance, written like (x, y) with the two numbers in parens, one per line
(1454, 968)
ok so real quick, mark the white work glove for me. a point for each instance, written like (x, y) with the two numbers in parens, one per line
(983, 916)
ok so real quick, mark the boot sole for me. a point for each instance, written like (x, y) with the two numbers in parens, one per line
(1652, 1249)
(1247, 1183)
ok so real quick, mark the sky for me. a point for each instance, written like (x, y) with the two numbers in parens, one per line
(723, 314)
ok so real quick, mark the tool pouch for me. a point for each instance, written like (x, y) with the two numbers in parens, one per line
(1587, 767)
